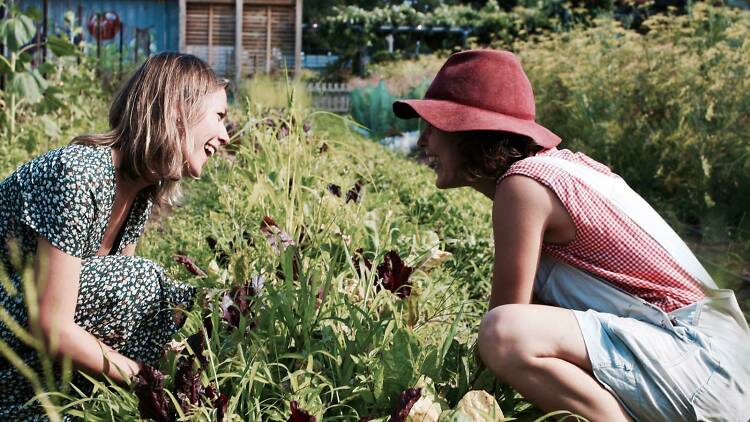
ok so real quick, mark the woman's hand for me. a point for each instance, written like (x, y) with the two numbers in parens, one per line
(57, 279)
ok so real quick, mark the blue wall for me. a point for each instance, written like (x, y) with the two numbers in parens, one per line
(161, 16)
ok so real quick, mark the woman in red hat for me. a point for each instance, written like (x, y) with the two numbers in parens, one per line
(597, 306)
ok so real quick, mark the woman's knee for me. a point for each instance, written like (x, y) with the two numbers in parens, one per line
(502, 339)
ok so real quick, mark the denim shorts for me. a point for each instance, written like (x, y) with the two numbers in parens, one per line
(692, 364)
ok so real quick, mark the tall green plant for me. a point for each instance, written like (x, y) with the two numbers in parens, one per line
(667, 110)
(26, 86)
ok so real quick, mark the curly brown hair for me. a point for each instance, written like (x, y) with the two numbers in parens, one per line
(489, 154)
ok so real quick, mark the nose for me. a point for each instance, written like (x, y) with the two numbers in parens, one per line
(223, 136)
(422, 141)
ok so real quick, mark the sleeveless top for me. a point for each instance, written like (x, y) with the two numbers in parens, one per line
(608, 243)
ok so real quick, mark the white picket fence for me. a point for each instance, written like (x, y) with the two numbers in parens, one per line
(333, 97)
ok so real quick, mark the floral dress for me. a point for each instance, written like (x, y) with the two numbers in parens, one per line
(66, 196)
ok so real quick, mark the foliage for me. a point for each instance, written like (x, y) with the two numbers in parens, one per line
(319, 334)
(320, 331)
(323, 334)
(354, 27)
(273, 92)
(672, 100)
(41, 105)
(667, 110)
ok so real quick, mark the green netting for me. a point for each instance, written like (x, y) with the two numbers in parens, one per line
(371, 106)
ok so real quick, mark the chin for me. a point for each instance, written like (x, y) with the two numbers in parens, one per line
(192, 171)
(444, 184)
(450, 184)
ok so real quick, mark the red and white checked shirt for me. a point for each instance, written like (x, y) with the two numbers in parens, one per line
(608, 243)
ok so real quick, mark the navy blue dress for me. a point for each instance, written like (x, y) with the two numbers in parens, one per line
(66, 196)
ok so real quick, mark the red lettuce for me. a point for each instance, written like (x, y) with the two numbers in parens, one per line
(405, 402)
(299, 415)
(187, 383)
(189, 265)
(334, 189)
(152, 399)
(353, 193)
(394, 274)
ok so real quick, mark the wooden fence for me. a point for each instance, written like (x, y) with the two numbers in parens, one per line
(333, 97)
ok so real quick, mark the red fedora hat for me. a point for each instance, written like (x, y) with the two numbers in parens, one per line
(480, 90)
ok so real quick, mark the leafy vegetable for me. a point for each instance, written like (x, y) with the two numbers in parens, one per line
(299, 414)
(394, 274)
(152, 399)
(406, 400)
(190, 265)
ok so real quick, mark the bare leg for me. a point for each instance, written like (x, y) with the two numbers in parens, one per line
(539, 350)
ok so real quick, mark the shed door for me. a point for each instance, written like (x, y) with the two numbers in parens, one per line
(267, 38)
(209, 34)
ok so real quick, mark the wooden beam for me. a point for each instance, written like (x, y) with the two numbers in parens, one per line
(237, 43)
(268, 39)
(183, 24)
(210, 34)
(298, 38)
(255, 2)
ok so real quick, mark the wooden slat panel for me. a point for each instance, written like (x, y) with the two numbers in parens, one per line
(282, 38)
(217, 22)
(196, 23)
(255, 2)
(223, 24)
(270, 2)
(254, 38)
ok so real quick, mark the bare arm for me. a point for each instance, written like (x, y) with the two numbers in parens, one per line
(57, 277)
(521, 213)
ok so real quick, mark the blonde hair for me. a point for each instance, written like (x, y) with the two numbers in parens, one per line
(150, 117)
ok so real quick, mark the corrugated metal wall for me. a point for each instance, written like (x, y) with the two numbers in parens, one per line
(160, 16)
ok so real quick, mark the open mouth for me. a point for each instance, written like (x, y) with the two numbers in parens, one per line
(209, 149)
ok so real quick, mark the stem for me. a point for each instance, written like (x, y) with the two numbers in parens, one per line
(12, 118)
(12, 109)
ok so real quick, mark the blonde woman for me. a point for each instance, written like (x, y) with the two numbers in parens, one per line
(78, 212)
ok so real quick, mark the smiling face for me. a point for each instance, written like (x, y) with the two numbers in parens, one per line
(443, 156)
(206, 135)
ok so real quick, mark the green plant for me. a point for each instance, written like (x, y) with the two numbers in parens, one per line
(26, 85)
(666, 110)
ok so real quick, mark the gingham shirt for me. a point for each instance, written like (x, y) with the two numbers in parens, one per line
(608, 243)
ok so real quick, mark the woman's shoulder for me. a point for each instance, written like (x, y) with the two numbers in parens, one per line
(81, 161)
(538, 167)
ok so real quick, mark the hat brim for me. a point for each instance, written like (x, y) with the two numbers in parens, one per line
(454, 117)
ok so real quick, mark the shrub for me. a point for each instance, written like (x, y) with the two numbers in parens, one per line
(667, 110)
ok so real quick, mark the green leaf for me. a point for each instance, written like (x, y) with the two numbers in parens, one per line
(39, 79)
(26, 86)
(4, 68)
(33, 13)
(60, 46)
(50, 127)
(23, 62)
(17, 31)
(54, 98)
(46, 68)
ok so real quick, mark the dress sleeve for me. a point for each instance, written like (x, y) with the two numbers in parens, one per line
(58, 204)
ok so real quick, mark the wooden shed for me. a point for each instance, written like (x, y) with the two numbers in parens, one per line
(240, 38)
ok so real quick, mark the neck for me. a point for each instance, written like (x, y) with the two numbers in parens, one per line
(124, 183)
(486, 187)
